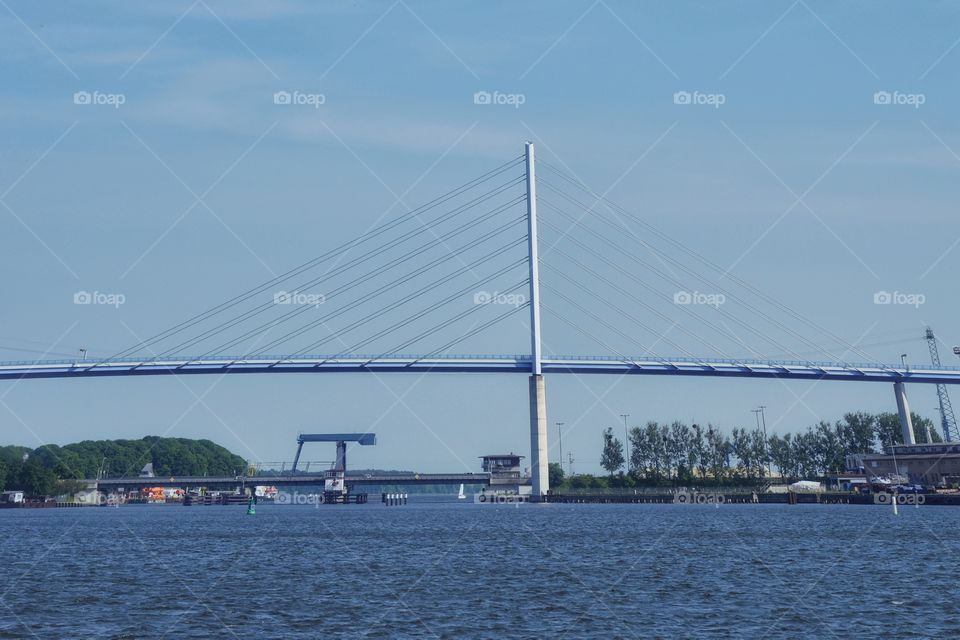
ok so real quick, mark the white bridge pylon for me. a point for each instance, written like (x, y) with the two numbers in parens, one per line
(539, 451)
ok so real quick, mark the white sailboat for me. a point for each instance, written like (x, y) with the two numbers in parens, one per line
(461, 495)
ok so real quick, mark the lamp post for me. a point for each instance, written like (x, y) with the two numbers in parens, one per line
(903, 360)
(626, 438)
(763, 418)
(560, 437)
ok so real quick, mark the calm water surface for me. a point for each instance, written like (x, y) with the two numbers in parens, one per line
(449, 570)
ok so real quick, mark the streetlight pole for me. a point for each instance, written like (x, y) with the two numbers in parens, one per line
(763, 417)
(903, 360)
(626, 438)
(560, 437)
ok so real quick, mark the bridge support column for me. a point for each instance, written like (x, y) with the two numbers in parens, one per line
(296, 458)
(539, 461)
(903, 408)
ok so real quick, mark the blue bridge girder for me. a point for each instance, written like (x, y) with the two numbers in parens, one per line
(612, 365)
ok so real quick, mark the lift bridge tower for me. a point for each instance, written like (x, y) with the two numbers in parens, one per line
(948, 421)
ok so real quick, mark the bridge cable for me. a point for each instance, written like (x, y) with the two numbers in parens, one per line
(409, 319)
(265, 306)
(429, 287)
(443, 325)
(369, 255)
(706, 261)
(694, 274)
(475, 331)
(639, 301)
(404, 279)
(626, 359)
(722, 331)
(619, 310)
(610, 326)
(325, 256)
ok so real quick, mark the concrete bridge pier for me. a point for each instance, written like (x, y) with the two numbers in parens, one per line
(539, 460)
(903, 408)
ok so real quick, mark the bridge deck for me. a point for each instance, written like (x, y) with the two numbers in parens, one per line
(708, 367)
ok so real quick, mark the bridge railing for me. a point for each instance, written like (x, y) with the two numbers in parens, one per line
(752, 362)
(517, 358)
(264, 358)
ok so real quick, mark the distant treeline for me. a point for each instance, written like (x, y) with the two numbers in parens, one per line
(37, 471)
(695, 455)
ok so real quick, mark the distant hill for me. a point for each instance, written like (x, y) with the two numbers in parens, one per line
(119, 458)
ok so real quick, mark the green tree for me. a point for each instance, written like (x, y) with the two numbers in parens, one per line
(555, 473)
(889, 432)
(829, 452)
(612, 457)
(858, 432)
(35, 480)
(804, 448)
(923, 429)
(679, 447)
(656, 436)
(640, 451)
(698, 451)
(781, 454)
(718, 453)
(759, 452)
(888, 429)
(743, 451)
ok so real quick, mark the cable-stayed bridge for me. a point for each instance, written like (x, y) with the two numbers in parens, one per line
(444, 274)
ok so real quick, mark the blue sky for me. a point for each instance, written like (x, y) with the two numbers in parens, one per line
(803, 182)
